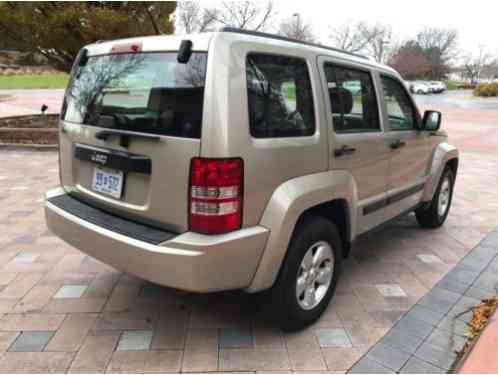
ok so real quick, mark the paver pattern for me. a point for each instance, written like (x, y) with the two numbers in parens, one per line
(109, 321)
(427, 337)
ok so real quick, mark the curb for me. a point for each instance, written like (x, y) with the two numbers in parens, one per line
(428, 337)
(28, 147)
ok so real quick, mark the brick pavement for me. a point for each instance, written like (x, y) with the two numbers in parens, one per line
(73, 313)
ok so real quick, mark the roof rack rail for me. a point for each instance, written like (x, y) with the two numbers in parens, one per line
(228, 29)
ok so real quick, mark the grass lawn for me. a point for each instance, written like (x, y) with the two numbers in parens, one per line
(451, 85)
(34, 81)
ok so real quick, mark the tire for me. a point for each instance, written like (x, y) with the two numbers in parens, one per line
(435, 214)
(312, 236)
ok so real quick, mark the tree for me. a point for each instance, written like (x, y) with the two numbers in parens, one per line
(379, 41)
(440, 48)
(58, 30)
(250, 15)
(410, 61)
(193, 19)
(349, 37)
(475, 65)
(294, 28)
(361, 37)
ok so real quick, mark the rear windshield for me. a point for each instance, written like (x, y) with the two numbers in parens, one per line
(145, 92)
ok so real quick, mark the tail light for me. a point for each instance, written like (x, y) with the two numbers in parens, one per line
(215, 195)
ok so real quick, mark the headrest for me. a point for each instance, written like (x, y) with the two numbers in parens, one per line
(341, 100)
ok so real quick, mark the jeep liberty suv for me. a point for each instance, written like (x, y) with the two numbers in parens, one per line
(241, 160)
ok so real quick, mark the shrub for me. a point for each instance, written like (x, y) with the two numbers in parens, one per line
(486, 89)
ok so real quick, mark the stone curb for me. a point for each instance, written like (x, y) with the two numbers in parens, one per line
(32, 147)
(426, 338)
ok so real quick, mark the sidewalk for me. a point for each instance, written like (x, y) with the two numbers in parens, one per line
(29, 102)
(483, 357)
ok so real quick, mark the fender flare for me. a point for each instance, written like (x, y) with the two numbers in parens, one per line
(284, 209)
(443, 153)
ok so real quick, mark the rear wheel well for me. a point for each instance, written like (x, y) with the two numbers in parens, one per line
(337, 212)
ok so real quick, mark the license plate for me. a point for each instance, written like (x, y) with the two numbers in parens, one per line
(108, 181)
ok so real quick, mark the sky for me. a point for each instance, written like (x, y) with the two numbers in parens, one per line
(476, 20)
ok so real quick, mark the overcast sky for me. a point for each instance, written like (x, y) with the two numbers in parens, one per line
(475, 20)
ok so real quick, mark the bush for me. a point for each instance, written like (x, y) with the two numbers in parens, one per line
(486, 89)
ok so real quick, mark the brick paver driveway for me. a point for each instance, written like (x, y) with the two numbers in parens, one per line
(63, 311)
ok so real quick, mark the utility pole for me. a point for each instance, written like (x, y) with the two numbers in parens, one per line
(297, 29)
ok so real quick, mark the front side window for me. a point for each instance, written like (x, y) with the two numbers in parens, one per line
(400, 110)
(280, 99)
(143, 92)
(352, 99)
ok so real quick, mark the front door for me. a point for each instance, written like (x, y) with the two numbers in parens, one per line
(408, 148)
(357, 143)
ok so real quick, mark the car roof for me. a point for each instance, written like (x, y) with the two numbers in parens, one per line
(171, 42)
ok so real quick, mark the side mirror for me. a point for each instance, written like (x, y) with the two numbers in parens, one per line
(431, 121)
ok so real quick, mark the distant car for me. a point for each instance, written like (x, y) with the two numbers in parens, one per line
(420, 88)
(437, 87)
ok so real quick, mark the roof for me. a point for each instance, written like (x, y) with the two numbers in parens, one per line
(201, 41)
(280, 37)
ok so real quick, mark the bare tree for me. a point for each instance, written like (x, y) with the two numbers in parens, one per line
(294, 28)
(474, 65)
(243, 14)
(251, 15)
(193, 19)
(362, 37)
(349, 37)
(379, 40)
(440, 48)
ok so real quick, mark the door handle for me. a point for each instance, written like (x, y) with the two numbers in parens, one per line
(344, 150)
(397, 144)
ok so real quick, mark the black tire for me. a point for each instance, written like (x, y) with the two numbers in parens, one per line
(309, 231)
(430, 217)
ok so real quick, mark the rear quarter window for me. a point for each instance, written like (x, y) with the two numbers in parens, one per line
(280, 98)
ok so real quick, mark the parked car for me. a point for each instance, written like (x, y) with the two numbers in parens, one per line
(238, 160)
(420, 88)
(437, 87)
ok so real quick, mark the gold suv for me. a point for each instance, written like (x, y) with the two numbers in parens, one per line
(241, 160)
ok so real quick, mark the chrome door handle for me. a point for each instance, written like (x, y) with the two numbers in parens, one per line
(344, 150)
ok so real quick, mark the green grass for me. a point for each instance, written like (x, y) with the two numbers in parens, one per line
(451, 85)
(34, 81)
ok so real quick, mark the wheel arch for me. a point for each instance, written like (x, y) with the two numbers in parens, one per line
(444, 155)
(328, 194)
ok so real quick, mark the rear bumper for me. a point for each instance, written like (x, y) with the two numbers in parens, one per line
(189, 261)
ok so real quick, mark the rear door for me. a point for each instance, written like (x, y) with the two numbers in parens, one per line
(131, 124)
(357, 142)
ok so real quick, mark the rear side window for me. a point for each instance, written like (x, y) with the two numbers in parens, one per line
(352, 99)
(142, 92)
(400, 110)
(280, 98)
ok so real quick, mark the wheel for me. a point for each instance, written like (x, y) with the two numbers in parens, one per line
(309, 274)
(435, 214)
(420, 92)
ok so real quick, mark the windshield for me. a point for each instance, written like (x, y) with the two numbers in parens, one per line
(145, 92)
